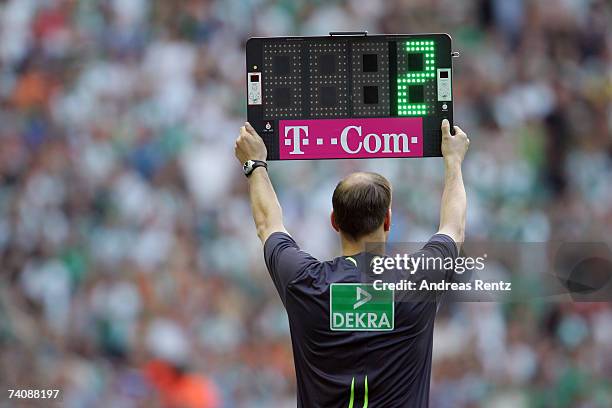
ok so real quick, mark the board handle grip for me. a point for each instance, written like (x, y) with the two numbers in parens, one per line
(347, 33)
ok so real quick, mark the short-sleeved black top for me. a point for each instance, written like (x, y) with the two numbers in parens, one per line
(340, 369)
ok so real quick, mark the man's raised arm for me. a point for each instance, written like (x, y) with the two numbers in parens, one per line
(267, 212)
(452, 209)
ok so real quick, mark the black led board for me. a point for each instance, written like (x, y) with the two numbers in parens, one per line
(350, 96)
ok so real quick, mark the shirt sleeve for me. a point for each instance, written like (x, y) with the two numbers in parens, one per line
(285, 261)
(437, 258)
(441, 245)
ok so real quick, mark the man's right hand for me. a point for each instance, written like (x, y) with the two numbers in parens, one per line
(453, 147)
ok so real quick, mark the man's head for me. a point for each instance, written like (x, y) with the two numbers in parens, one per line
(361, 205)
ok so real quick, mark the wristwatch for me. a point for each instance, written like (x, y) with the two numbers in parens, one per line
(251, 165)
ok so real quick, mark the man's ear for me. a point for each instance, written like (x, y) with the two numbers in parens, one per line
(332, 219)
(387, 222)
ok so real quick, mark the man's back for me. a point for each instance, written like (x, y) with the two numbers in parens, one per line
(370, 368)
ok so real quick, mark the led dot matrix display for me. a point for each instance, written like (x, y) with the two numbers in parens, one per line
(419, 69)
(350, 76)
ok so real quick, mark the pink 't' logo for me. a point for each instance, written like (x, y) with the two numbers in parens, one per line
(350, 138)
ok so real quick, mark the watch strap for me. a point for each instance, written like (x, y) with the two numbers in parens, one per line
(256, 164)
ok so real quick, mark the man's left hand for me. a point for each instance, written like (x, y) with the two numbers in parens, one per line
(249, 145)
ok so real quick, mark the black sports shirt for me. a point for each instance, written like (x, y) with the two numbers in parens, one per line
(354, 369)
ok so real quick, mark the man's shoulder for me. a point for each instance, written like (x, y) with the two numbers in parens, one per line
(317, 278)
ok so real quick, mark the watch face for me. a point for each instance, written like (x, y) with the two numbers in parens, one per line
(248, 166)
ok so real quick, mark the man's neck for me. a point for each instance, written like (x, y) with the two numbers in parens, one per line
(373, 243)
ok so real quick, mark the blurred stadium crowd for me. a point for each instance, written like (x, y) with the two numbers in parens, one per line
(130, 272)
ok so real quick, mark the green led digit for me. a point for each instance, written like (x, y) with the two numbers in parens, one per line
(427, 49)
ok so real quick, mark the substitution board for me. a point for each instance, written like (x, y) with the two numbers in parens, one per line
(350, 96)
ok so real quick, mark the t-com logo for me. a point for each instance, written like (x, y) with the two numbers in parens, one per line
(350, 138)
